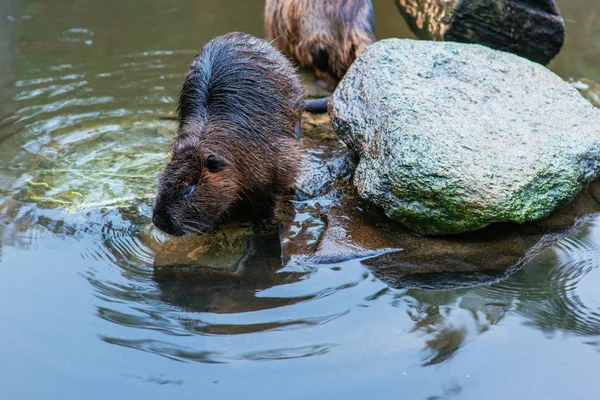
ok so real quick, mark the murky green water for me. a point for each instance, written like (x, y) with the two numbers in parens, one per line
(87, 313)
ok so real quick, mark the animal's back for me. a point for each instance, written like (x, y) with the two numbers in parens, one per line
(242, 83)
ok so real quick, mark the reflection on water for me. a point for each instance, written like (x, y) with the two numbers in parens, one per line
(186, 300)
(85, 276)
(553, 292)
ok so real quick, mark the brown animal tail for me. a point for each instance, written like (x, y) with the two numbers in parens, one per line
(317, 106)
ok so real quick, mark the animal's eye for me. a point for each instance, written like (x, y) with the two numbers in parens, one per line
(188, 191)
(214, 164)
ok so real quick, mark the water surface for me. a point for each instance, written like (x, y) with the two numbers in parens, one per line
(92, 310)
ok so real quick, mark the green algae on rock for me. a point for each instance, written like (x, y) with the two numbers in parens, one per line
(452, 137)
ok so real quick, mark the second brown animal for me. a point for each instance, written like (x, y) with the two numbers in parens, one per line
(323, 35)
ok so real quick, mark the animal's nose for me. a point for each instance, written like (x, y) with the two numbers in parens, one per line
(164, 222)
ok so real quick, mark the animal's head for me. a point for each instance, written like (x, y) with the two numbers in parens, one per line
(331, 54)
(326, 35)
(196, 189)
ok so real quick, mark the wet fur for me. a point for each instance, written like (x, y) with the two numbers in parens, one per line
(240, 104)
(323, 35)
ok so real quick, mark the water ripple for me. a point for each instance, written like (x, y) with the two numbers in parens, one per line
(553, 290)
(82, 162)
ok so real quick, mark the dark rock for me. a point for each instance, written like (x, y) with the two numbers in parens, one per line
(531, 29)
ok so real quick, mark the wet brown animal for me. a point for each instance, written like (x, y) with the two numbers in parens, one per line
(323, 35)
(239, 109)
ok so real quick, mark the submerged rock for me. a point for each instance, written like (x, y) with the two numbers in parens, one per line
(452, 137)
(225, 251)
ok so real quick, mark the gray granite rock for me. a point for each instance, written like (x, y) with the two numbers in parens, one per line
(452, 137)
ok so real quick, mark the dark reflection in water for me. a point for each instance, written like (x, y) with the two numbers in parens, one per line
(178, 300)
(194, 289)
(447, 320)
(551, 293)
(555, 292)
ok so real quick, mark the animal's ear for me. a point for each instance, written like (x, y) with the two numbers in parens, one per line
(214, 163)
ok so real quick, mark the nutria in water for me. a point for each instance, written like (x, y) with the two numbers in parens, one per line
(238, 115)
(324, 35)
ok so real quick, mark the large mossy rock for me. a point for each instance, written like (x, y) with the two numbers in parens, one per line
(452, 137)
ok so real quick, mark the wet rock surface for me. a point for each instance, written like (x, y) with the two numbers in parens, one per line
(453, 137)
(351, 228)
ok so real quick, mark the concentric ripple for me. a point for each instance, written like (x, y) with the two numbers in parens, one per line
(187, 302)
(81, 147)
(83, 162)
(97, 302)
(557, 291)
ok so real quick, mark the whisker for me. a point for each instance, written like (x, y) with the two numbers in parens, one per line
(197, 227)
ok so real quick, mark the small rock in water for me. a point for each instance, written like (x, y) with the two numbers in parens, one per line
(224, 251)
(452, 137)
